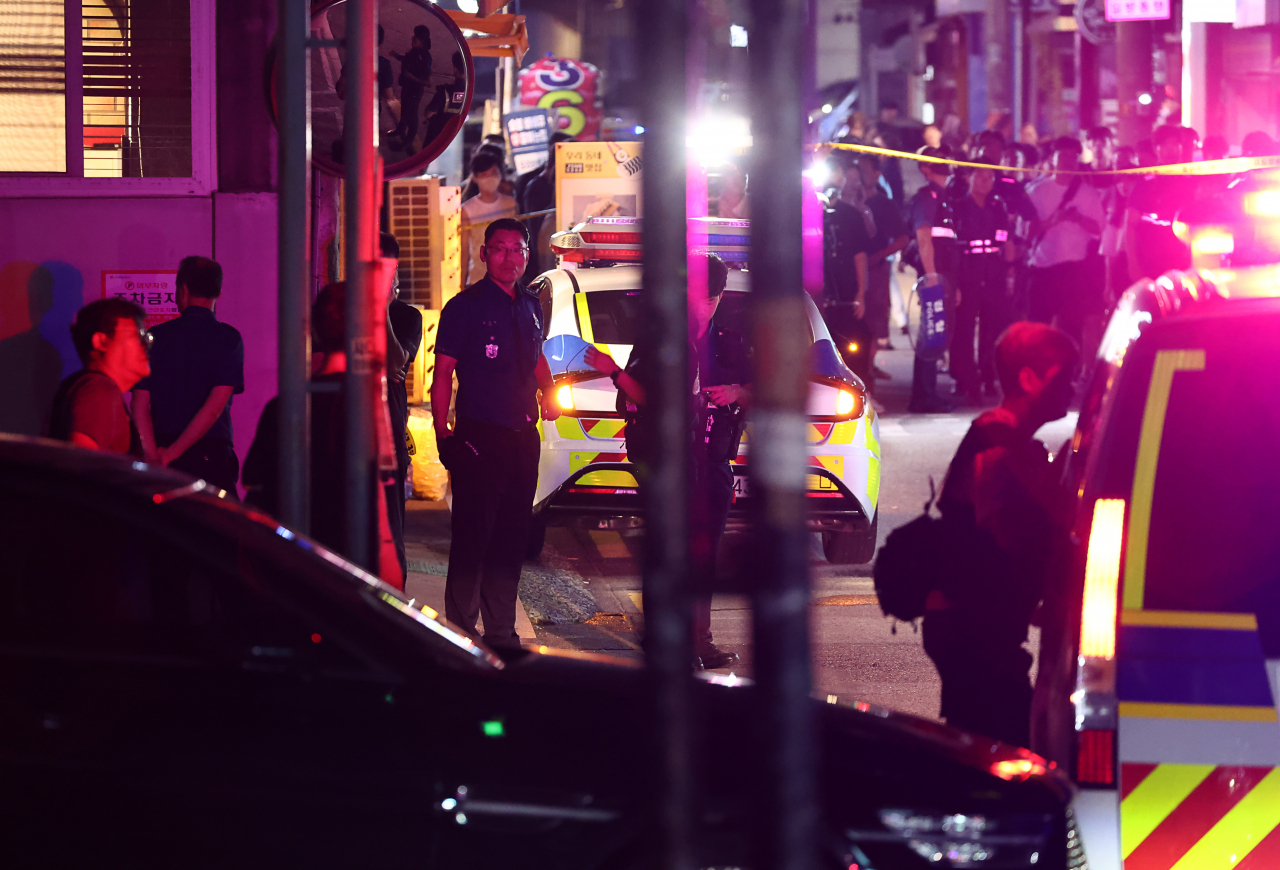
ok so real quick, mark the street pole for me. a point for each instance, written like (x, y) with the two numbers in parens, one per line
(1019, 68)
(360, 231)
(787, 821)
(1133, 77)
(293, 360)
(663, 29)
(996, 35)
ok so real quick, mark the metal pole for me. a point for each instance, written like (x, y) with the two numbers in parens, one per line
(787, 822)
(294, 308)
(361, 231)
(663, 28)
(1019, 68)
(1133, 77)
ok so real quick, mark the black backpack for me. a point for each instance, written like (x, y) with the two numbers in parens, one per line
(908, 566)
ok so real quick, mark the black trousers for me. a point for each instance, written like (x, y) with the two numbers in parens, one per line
(982, 312)
(494, 481)
(410, 102)
(708, 514)
(986, 687)
(212, 461)
(924, 380)
(395, 517)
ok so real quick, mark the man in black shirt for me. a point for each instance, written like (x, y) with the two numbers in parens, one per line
(491, 335)
(261, 476)
(183, 410)
(405, 328)
(1009, 516)
(719, 390)
(1150, 244)
(415, 73)
(890, 237)
(934, 229)
(985, 252)
(848, 229)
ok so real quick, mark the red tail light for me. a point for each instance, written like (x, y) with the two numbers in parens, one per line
(611, 238)
(1102, 579)
(1095, 763)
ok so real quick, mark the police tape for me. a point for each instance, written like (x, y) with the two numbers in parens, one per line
(518, 217)
(1229, 166)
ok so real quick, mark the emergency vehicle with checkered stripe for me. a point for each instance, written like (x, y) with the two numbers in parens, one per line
(1160, 663)
(584, 477)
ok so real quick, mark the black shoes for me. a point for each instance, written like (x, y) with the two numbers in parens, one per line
(712, 658)
(930, 405)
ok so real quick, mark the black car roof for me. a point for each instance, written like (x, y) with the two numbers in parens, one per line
(19, 453)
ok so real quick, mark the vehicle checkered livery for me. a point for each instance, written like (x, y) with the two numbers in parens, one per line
(584, 477)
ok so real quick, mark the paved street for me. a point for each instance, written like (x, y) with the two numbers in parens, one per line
(855, 654)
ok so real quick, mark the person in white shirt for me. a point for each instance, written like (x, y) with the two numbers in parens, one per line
(1061, 288)
(482, 209)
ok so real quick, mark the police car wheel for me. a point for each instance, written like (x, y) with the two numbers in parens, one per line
(537, 539)
(851, 548)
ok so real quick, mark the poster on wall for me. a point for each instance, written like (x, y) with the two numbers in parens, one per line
(154, 291)
(597, 179)
(568, 88)
(528, 134)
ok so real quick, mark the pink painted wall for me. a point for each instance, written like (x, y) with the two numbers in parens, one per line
(245, 245)
(52, 256)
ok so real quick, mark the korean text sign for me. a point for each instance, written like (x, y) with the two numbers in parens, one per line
(1137, 10)
(153, 291)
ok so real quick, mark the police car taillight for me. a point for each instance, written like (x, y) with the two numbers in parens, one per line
(1102, 579)
(611, 238)
(1095, 695)
(832, 400)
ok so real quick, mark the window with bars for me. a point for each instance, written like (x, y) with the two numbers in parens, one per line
(102, 89)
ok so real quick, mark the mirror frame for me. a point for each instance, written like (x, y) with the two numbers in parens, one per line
(416, 163)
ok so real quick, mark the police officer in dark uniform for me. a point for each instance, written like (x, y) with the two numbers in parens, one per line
(934, 259)
(491, 335)
(984, 254)
(719, 377)
(848, 231)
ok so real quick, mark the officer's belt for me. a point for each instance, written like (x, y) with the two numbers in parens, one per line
(983, 246)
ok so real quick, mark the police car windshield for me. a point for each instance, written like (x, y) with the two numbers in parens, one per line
(1213, 544)
(616, 315)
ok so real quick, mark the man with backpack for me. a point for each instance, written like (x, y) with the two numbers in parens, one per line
(978, 573)
(719, 392)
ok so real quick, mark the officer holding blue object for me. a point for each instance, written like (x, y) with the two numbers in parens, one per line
(984, 254)
(934, 229)
(491, 335)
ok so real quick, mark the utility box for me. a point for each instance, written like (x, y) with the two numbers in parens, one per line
(425, 216)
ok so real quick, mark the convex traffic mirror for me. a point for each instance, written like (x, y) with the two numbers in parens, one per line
(425, 81)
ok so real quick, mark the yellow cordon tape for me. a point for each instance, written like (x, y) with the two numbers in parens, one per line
(1230, 166)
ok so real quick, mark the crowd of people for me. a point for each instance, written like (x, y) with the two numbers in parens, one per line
(490, 193)
(1048, 233)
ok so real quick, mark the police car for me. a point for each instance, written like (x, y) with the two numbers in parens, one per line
(584, 476)
(1160, 661)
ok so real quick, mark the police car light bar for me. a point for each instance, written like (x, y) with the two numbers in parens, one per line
(615, 239)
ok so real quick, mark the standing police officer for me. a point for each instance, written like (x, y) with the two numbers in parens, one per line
(719, 374)
(491, 335)
(984, 254)
(934, 230)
